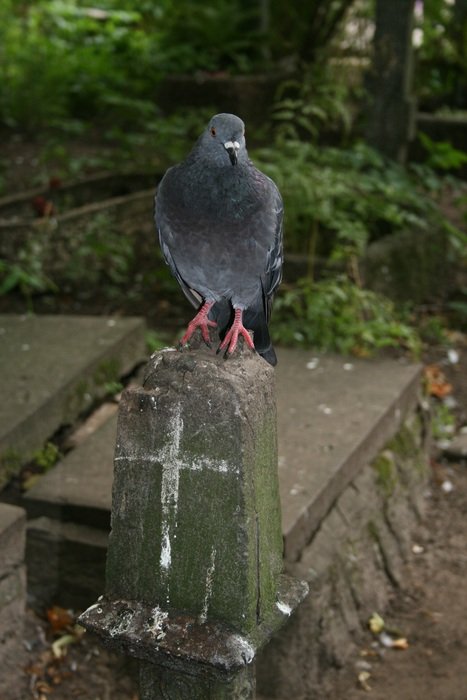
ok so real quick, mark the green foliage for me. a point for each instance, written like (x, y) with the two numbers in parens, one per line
(72, 61)
(386, 472)
(440, 78)
(337, 200)
(441, 154)
(112, 388)
(79, 63)
(335, 314)
(318, 100)
(47, 456)
(432, 329)
(155, 341)
(220, 35)
(305, 28)
(443, 421)
(103, 256)
(27, 274)
(457, 309)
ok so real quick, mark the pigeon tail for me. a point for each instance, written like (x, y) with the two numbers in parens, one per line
(255, 320)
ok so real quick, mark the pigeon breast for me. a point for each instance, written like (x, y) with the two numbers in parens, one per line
(218, 227)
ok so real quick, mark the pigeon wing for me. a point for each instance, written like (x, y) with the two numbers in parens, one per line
(257, 315)
(163, 228)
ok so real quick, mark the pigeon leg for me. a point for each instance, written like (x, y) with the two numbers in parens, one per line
(202, 322)
(236, 329)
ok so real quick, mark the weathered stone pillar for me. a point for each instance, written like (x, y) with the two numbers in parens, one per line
(194, 582)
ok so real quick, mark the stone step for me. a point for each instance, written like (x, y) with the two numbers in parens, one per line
(334, 416)
(52, 368)
(12, 590)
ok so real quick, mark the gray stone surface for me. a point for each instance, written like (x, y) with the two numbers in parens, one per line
(355, 563)
(12, 583)
(80, 486)
(196, 514)
(65, 562)
(331, 421)
(12, 537)
(51, 368)
(458, 447)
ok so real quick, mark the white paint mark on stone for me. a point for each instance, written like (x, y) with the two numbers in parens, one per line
(348, 366)
(283, 607)
(215, 465)
(166, 551)
(208, 589)
(173, 461)
(169, 457)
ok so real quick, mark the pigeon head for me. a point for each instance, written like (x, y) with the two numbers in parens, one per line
(224, 140)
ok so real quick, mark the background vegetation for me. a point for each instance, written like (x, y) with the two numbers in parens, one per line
(83, 84)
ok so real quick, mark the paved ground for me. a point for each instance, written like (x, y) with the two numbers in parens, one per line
(52, 368)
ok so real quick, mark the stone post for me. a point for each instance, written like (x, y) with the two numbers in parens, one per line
(194, 583)
(391, 107)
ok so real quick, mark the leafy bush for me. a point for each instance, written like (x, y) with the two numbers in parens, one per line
(71, 61)
(440, 78)
(337, 200)
(335, 314)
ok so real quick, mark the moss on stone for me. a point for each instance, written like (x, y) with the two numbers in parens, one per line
(404, 443)
(386, 472)
(10, 463)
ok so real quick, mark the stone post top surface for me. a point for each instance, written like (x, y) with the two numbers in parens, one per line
(203, 363)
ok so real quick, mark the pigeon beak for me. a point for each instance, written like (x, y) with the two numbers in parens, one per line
(232, 149)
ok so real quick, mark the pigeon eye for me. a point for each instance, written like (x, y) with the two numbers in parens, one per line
(213, 131)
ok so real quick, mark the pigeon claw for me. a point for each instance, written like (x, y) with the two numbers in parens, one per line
(236, 330)
(202, 322)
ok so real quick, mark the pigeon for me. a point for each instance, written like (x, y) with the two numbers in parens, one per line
(219, 221)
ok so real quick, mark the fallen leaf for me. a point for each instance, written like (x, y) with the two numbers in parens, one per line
(400, 643)
(59, 618)
(363, 678)
(436, 382)
(59, 647)
(376, 623)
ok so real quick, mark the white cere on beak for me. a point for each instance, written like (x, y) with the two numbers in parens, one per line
(232, 144)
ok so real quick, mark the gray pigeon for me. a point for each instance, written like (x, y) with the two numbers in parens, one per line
(220, 229)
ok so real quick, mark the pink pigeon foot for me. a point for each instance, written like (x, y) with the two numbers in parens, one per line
(202, 322)
(236, 329)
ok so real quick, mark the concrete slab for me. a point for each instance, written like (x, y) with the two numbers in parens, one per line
(75, 572)
(52, 368)
(458, 447)
(334, 415)
(12, 537)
